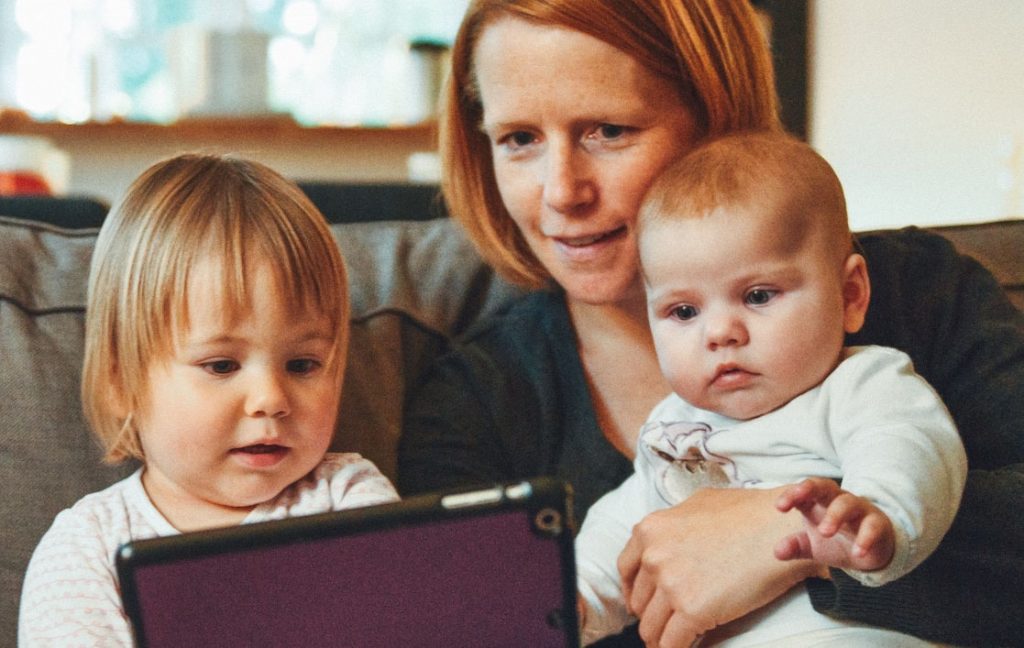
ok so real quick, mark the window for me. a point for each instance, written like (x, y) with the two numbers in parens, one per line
(346, 62)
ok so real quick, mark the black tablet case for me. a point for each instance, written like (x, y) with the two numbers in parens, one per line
(490, 567)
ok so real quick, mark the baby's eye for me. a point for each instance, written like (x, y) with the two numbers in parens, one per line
(760, 296)
(684, 312)
(221, 367)
(302, 366)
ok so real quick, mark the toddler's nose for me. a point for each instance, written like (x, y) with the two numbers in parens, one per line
(267, 397)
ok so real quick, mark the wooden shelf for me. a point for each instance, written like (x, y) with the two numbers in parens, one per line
(105, 156)
(275, 127)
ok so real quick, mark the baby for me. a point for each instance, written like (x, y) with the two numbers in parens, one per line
(215, 345)
(752, 281)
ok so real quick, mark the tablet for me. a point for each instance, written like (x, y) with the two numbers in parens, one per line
(487, 567)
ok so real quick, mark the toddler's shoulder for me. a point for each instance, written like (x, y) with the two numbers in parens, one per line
(101, 520)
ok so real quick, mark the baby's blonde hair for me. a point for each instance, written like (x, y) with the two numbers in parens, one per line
(181, 211)
(755, 168)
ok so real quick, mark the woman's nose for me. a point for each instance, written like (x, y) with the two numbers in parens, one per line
(267, 396)
(567, 181)
(725, 329)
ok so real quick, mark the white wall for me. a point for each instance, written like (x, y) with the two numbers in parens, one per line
(919, 105)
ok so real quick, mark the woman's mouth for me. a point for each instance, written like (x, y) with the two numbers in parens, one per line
(261, 448)
(586, 241)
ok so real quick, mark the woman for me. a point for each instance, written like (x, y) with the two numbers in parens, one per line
(558, 115)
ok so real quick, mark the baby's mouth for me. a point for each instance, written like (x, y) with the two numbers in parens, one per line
(731, 375)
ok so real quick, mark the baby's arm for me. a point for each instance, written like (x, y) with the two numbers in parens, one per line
(897, 446)
(605, 531)
(840, 529)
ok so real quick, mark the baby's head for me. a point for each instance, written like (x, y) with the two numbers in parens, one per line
(214, 283)
(751, 275)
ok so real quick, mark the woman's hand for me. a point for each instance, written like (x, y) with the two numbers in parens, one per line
(707, 561)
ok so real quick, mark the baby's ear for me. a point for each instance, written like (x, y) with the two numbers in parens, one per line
(856, 292)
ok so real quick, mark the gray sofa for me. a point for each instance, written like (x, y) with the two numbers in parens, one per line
(414, 286)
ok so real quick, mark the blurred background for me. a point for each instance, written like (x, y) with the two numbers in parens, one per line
(918, 104)
(352, 62)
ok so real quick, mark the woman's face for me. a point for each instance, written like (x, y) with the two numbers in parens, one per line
(578, 131)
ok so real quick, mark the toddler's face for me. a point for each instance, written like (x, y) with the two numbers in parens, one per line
(243, 406)
(743, 318)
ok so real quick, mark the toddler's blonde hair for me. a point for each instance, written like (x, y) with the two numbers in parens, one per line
(180, 211)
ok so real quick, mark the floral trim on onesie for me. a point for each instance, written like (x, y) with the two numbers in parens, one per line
(678, 452)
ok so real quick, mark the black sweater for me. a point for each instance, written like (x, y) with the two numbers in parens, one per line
(511, 402)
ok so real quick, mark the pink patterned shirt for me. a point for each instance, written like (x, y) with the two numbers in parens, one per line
(71, 596)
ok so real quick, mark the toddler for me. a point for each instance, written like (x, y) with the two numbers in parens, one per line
(752, 281)
(215, 342)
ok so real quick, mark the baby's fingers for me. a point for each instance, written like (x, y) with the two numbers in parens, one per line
(806, 494)
(874, 527)
(844, 509)
(794, 547)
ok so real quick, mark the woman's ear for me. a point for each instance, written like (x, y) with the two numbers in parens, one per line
(856, 293)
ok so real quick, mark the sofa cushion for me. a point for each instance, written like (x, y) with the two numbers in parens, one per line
(413, 285)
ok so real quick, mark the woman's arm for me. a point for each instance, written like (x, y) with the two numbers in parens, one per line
(969, 591)
(967, 340)
(450, 433)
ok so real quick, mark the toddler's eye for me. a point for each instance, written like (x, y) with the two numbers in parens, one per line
(760, 296)
(221, 367)
(302, 365)
(685, 312)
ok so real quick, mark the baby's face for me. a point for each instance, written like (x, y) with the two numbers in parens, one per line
(744, 318)
(241, 408)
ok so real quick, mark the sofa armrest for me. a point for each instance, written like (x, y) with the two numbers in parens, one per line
(999, 246)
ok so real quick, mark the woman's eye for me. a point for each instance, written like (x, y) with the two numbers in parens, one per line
(684, 312)
(221, 367)
(516, 140)
(611, 131)
(760, 296)
(302, 366)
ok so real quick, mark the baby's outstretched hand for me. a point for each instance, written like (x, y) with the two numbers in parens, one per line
(840, 529)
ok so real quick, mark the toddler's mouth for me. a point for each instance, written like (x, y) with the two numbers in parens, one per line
(260, 455)
(261, 448)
